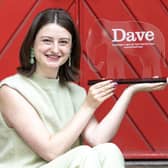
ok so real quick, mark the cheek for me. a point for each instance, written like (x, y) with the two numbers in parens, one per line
(67, 52)
(39, 50)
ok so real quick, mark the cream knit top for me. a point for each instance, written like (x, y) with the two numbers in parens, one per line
(55, 105)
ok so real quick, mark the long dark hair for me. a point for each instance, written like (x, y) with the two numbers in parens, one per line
(66, 72)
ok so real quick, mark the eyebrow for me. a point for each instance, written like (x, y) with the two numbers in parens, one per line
(62, 38)
(65, 38)
(45, 37)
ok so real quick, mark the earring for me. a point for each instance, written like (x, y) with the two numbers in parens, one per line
(32, 56)
(69, 61)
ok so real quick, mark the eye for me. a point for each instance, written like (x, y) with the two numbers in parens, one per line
(47, 41)
(63, 42)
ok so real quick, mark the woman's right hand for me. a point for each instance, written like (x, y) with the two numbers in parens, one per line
(100, 92)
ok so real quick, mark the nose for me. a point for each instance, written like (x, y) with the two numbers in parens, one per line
(55, 47)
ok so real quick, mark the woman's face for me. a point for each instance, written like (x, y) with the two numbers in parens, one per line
(52, 48)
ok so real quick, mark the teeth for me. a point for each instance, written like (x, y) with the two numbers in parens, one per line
(53, 56)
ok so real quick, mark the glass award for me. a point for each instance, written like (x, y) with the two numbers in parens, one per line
(126, 51)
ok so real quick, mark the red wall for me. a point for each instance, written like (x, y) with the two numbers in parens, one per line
(143, 132)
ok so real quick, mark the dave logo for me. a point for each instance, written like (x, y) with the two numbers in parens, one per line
(122, 37)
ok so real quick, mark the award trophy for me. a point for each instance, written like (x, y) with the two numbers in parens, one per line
(127, 52)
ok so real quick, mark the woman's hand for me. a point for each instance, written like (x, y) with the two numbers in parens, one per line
(99, 92)
(148, 87)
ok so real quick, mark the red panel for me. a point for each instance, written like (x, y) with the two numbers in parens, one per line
(11, 17)
(14, 26)
(10, 25)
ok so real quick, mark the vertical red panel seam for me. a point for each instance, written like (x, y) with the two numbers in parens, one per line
(18, 28)
(76, 11)
(78, 14)
(85, 55)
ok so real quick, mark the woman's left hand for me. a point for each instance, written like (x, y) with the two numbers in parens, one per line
(148, 87)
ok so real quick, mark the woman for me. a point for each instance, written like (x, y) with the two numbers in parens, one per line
(44, 113)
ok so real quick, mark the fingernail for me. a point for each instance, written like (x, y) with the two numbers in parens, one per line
(115, 83)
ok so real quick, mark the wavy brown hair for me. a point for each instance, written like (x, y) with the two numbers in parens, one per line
(62, 18)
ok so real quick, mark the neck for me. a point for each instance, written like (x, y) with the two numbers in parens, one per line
(47, 73)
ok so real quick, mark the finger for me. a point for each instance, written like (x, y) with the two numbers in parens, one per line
(106, 96)
(160, 87)
(107, 88)
(156, 86)
(102, 84)
(107, 91)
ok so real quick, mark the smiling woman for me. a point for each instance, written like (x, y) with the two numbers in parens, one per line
(44, 113)
(54, 34)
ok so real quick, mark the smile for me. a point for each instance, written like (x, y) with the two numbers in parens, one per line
(53, 57)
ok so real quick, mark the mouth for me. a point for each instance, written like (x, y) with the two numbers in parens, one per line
(53, 57)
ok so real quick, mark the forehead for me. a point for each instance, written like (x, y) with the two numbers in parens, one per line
(53, 30)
